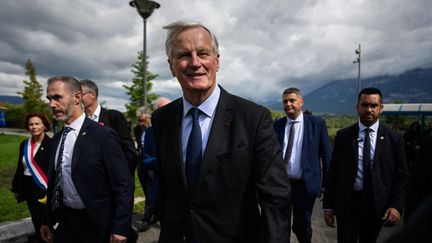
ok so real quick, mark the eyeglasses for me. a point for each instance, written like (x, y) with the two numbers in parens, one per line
(84, 93)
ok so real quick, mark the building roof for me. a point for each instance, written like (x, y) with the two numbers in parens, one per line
(413, 109)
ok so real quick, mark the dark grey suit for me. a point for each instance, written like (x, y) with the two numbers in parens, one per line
(242, 167)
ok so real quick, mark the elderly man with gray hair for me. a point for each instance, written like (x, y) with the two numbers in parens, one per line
(221, 173)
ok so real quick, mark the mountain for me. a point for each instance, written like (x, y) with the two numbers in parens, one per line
(340, 96)
(14, 100)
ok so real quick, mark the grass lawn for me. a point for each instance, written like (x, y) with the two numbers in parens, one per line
(9, 209)
(9, 150)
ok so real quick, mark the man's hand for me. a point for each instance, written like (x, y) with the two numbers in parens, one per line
(46, 234)
(329, 217)
(391, 217)
(118, 238)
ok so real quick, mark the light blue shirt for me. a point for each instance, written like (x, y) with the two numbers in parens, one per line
(206, 117)
(358, 184)
(294, 168)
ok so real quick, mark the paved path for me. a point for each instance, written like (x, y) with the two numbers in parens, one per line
(321, 232)
(17, 231)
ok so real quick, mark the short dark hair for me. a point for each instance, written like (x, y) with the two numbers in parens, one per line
(41, 116)
(90, 85)
(292, 90)
(73, 84)
(370, 91)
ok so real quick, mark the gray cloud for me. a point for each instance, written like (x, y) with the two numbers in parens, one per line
(266, 46)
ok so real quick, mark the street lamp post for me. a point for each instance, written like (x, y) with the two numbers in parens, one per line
(144, 8)
(358, 52)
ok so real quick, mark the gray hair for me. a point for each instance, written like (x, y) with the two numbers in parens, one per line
(293, 90)
(143, 110)
(72, 83)
(175, 28)
(160, 101)
(90, 85)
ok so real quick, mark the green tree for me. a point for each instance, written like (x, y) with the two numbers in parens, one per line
(135, 91)
(32, 93)
(14, 115)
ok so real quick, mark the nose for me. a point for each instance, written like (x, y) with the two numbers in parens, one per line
(51, 103)
(195, 61)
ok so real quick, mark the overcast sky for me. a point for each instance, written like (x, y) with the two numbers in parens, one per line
(265, 46)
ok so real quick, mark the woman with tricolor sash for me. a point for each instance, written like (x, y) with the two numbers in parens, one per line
(30, 181)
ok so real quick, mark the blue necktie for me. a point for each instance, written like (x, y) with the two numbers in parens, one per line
(194, 151)
(367, 170)
(57, 192)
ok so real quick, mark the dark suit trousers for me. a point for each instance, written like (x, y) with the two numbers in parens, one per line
(359, 222)
(302, 207)
(38, 210)
(75, 225)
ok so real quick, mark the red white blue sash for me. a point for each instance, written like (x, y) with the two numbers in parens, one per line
(38, 175)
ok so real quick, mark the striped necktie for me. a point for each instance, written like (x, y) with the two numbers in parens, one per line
(58, 192)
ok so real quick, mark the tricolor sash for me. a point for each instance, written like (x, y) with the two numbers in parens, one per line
(38, 175)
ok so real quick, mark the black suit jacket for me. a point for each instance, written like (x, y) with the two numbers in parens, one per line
(115, 120)
(101, 176)
(41, 158)
(389, 175)
(242, 167)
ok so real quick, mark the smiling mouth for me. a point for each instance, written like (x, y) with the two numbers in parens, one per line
(193, 75)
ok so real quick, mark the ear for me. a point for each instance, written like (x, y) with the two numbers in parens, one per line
(217, 62)
(77, 97)
(171, 67)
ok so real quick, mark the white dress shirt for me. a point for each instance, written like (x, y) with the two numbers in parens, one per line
(294, 168)
(96, 114)
(70, 194)
(358, 184)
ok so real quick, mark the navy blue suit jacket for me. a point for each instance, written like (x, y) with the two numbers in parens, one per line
(149, 150)
(316, 149)
(101, 176)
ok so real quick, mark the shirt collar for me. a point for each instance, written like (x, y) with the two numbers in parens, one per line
(299, 119)
(77, 124)
(374, 127)
(96, 114)
(207, 107)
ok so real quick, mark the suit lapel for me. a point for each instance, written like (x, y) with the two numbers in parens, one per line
(175, 131)
(41, 149)
(305, 145)
(378, 144)
(354, 135)
(103, 118)
(55, 144)
(219, 132)
(80, 141)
